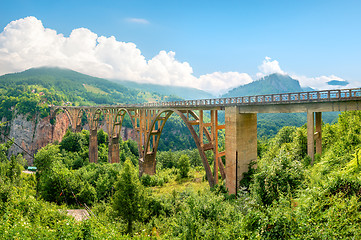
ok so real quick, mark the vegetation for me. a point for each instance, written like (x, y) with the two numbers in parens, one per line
(130, 199)
(183, 92)
(285, 197)
(75, 88)
(184, 166)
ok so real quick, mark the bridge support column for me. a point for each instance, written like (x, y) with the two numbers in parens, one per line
(318, 133)
(147, 164)
(241, 145)
(78, 129)
(93, 146)
(113, 150)
(312, 136)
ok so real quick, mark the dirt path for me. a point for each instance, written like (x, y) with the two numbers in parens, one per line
(78, 214)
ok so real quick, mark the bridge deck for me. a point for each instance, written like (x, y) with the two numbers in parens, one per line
(321, 101)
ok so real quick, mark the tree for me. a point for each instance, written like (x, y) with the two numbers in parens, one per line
(129, 198)
(14, 169)
(102, 137)
(46, 157)
(73, 142)
(183, 165)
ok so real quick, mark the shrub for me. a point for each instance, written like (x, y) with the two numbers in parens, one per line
(280, 175)
(183, 166)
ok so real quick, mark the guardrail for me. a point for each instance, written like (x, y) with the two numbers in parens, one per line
(298, 97)
(281, 98)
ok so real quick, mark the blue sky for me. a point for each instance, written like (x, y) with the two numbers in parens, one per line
(309, 39)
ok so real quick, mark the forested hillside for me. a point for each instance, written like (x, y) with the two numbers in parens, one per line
(271, 84)
(74, 87)
(183, 92)
(32, 91)
(285, 197)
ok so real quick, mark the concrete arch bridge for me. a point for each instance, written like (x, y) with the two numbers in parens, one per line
(240, 126)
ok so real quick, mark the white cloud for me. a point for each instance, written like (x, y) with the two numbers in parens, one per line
(138, 20)
(319, 83)
(269, 67)
(25, 43)
(220, 83)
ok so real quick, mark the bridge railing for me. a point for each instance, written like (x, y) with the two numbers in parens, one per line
(281, 98)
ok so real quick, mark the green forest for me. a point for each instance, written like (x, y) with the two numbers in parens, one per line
(282, 196)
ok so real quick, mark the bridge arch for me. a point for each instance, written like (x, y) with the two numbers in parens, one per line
(74, 115)
(116, 126)
(93, 118)
(156, 128)
(118, 122)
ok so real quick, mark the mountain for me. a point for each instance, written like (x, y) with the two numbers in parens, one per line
(337, 83)
(274, 83)
(74, 87)
(183, 92)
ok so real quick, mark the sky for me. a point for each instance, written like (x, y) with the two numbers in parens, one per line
(210, 45)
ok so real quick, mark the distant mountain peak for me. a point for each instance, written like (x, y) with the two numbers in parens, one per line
(270, 84)
(338, 83)
(276, 76)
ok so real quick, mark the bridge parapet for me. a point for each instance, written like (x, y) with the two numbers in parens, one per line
(340, 95)
(281, 98)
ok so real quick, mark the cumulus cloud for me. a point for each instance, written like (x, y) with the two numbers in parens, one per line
(269, 67)
(214, 82)
(26, 43)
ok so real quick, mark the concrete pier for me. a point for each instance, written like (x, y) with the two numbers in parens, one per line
(147, 165)
(241, 145)
(113, 150)
(313, 136)
(93, 146)
(310, 135)
(318, 133)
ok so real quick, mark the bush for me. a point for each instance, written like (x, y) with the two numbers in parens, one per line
(183, 166)
(280, 175)
(158, 179)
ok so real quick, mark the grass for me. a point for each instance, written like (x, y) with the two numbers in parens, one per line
(195, 182)
(93, 89)
(149, 97)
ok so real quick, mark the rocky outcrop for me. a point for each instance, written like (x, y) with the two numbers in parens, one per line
(36, 133)
(128, 133)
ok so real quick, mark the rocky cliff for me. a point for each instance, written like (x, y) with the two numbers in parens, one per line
(36, 133)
